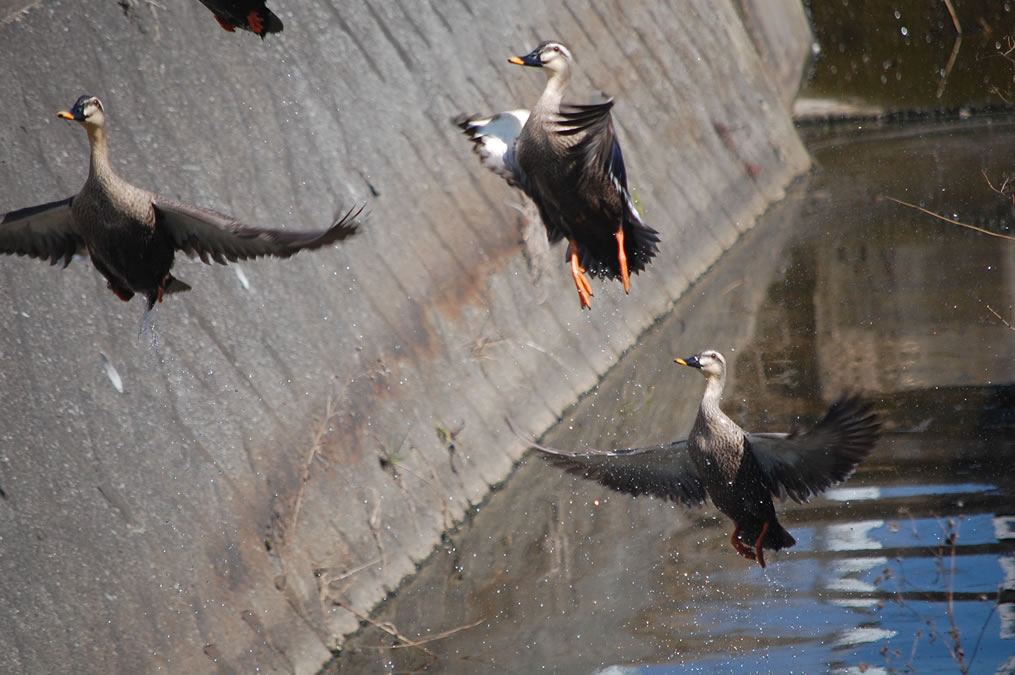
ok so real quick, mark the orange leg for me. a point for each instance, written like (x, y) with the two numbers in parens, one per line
(741, 549)
(581, 282)
(759, 542)
(162, 286)
(225, 24)
(255, 22)
(622, 257)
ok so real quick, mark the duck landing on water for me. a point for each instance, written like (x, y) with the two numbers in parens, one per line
(250, 15)
(566, 158)
(132, 234)
(739, 471)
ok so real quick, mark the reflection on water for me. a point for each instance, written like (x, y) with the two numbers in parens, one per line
(839, 289)
(908, 54)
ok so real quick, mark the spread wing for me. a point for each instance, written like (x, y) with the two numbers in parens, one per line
(45, 231)
(599, 163)
(665, 471)
(598, 148)
(800, 465)
(493, 139)
(211, 235)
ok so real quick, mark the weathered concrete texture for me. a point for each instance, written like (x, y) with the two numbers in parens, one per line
(301, 433)
(780, 37)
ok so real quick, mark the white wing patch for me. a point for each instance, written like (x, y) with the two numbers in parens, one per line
(494, 138)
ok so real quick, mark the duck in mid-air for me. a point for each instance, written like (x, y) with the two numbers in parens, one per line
(566, 158)
(739, 471)
(132, 235)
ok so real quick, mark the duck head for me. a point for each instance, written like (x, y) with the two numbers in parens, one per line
(87, 110)
(552, 55)
(710, 362)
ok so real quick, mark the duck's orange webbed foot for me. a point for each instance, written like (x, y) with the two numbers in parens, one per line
(581, 282)
(255, 22)
(225, 24)
(625, 276)
(759, 542)
(739, 546)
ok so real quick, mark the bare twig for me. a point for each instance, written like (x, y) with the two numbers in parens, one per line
(983, 628)
(948, 69)
(997, 92)
(1005, 191)
(354, 570)
(950, 639)
(958, 654)
(441, 636)
(999, 318)
(1011, 48)
(315, 447)
(953, 222)
(391, 630)
(955, 48)
(388, 628)
(955, 17)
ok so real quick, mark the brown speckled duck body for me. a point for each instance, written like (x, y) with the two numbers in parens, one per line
(575, 173)
(116, 220)
(132, 235)
(741, 472)
(731, 474)
(567, 159)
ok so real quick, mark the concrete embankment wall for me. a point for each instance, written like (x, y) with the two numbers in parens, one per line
(299, 433)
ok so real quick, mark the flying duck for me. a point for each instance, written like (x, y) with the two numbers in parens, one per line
(739, 471)
(567, 159)
(132, 235)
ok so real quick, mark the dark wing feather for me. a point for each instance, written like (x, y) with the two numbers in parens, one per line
(801, 465)
(599, 163)
(45, 231)
(210, 235)
(598, 148)
(665, 471)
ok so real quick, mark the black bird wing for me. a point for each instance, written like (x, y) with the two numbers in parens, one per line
(800, 465)
(598, 148)
(665, 471)
(45, 231)
(597, 158)
(210, 235)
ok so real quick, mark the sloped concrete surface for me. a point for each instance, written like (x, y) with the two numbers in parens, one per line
(293, 436)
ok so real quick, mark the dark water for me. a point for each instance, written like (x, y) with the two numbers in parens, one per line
(908, 54)
(838, 289)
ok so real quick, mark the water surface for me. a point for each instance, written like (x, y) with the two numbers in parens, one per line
(838, 289)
